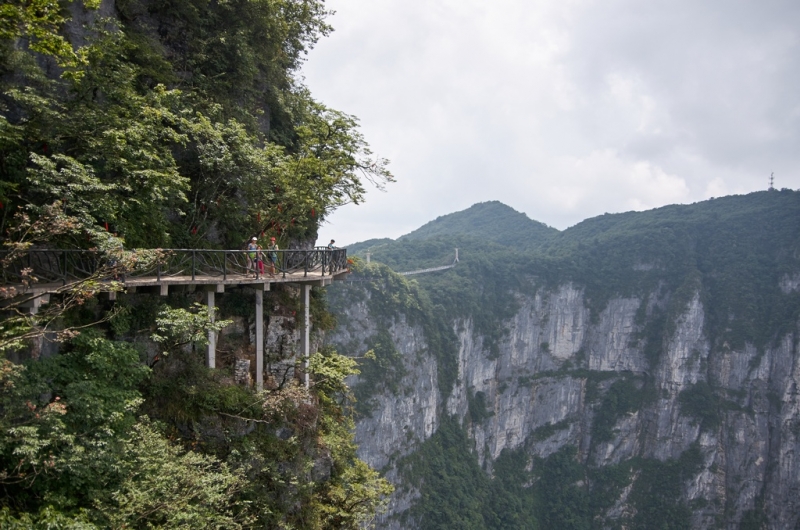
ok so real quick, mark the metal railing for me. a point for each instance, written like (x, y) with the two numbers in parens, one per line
(66, 265)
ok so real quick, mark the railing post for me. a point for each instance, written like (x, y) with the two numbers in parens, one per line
(305, 263)
(193, 262)
(324, 258)
(225, 265)
(158, 271)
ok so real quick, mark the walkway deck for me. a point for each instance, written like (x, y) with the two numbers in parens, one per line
(50, 270)
(41, 273)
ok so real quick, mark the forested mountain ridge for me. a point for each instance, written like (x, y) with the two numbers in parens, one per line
(130, 125)
(487, 221)
(635, 368)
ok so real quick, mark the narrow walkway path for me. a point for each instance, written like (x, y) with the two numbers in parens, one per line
(42, 271)
(32, 278)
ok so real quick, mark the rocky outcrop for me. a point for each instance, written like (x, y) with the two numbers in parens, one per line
(536, 395)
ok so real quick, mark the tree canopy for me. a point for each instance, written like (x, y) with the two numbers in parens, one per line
(172, 123)
(155, 124)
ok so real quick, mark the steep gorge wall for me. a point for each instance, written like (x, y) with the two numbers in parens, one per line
(546, 387)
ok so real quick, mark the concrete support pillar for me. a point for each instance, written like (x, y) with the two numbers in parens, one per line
(259, 339)
(305, 338)
(35, 303)
(211, 356)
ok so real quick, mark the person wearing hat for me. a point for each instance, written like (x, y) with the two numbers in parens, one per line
(273, 255)
(252, 251)
(331, 245)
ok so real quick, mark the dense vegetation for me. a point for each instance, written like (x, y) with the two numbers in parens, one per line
(554, 492)
(177, 123)
(95, 438)
(150, 124)
(734, 252)
(488, 221)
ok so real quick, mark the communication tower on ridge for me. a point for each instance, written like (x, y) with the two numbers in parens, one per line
(772, 181)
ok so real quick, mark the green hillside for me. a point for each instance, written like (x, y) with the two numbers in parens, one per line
(486, 225)
(490, 221)
(360, 249)
(733, 250)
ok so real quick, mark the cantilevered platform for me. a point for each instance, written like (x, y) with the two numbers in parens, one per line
(41, 273)
(314, 277)
(47, 270)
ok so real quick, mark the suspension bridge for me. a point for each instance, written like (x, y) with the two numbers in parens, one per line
(418, 271)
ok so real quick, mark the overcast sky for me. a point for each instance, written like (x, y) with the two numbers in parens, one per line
(562, 109)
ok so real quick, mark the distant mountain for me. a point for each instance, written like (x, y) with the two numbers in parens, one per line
(490, 221)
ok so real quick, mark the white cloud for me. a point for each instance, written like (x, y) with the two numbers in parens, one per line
(561, 109)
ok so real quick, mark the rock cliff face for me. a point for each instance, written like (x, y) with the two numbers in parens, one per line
(546, 387)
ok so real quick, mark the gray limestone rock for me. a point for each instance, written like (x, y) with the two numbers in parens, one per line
(535, 395)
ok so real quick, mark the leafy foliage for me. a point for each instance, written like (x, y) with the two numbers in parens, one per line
(657, 491)
(77, 450)
(178, 327)
(163, 485)
(74, 452)
(565, 502)
(39, 22)
(454, 487)
(193, 133)
(175, 123)
(477, 407)
(704, 404)
(355, 492)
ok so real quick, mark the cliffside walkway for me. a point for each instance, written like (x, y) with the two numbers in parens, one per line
(46, 271)
(40, 273)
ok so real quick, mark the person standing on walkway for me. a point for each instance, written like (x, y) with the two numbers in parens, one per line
(273, 255)
(331, 245)
(252, 251)
(259, 261)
